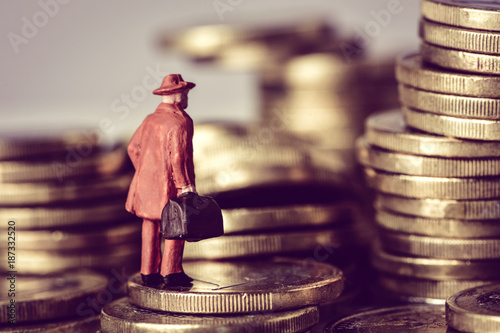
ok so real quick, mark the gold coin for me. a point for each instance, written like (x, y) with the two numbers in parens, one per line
(441, 247)
(50, 262)
(243, 287)
(284, 217)
(482, 15)
(423, 165)
(460, 60)
(388, 130)
(121, 316)
(440, 208)
(433, 187)
(79, 238)
(475, 129)
(412, 71)
(42, 142)
(434, 268)
(452, 105)
(236, 246)
(67, 215)
(100, 164)
(475, 309)
(45, 298)
(426, 288)
(459, 38)
(410, 318)
(438, 227)
(74, 190)
(88, 324)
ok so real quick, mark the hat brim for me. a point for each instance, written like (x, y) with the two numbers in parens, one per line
(172, 90)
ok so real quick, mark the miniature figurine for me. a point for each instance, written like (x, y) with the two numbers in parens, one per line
(161, 151)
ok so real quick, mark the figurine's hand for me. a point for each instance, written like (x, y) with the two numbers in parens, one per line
(189, 188)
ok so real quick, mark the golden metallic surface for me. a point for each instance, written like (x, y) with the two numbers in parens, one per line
(270, 243)
(433, 187)
(54, 297)
(427, 288)
(411, 71)
(461, 60)
(441, 247)
(100, 164)
(388, 130)
(438, 227)
(484, 15)
(120, 316)
(67, 215)
(441, 208)
(285, 217)
(45, 193)
(425, 166)
(475, 309)
(411, 318)
(478, 41)
(80, 239)
(243, 287)
(451, 105)
(434, 268)
(17, 146)
(87, 324)
(50, 262)
(465, 128)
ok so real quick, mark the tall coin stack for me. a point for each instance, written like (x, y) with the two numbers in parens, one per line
(438, 174)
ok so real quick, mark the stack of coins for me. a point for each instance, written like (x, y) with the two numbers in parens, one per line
(438, 174)
(273, 295)
(68, 302)
(62, 203)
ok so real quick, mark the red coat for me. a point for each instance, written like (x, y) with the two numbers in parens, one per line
(161, 151)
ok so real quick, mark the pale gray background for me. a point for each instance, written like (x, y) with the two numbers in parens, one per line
(92, 51)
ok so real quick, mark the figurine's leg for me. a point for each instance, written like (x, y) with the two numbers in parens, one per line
(151, 252)
(171, 264)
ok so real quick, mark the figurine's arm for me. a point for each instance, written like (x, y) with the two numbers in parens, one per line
(134, 147)
(182, 161)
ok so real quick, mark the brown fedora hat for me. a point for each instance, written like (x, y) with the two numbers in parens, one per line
(173, 83)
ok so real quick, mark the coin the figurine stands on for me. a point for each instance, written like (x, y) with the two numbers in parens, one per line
(161, 151)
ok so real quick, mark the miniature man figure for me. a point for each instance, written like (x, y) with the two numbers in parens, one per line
(161, 151)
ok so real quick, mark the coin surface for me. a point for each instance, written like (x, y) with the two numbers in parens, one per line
(414, 318)
(483, 15)
(461, 60)
(120, 316)
(276, 243)
(426, 288)
(475, 310)
(437, 208)
(452, 105)
(282, 217)
(243, 287)
(423, 165)
(90, 324)
(433, 268)
(67, 215)
(437, 226)
(412, 71)
(475, 129)
(433, 187)
(441, 247)
(43, 298)
(478, 41)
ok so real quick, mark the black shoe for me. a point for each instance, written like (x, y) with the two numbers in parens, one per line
(177, 280)
(152, 280)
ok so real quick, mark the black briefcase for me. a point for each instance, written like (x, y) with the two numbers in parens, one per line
(192, 218)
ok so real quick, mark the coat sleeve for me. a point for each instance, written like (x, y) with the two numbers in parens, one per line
(134, 147)
(181, 157)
